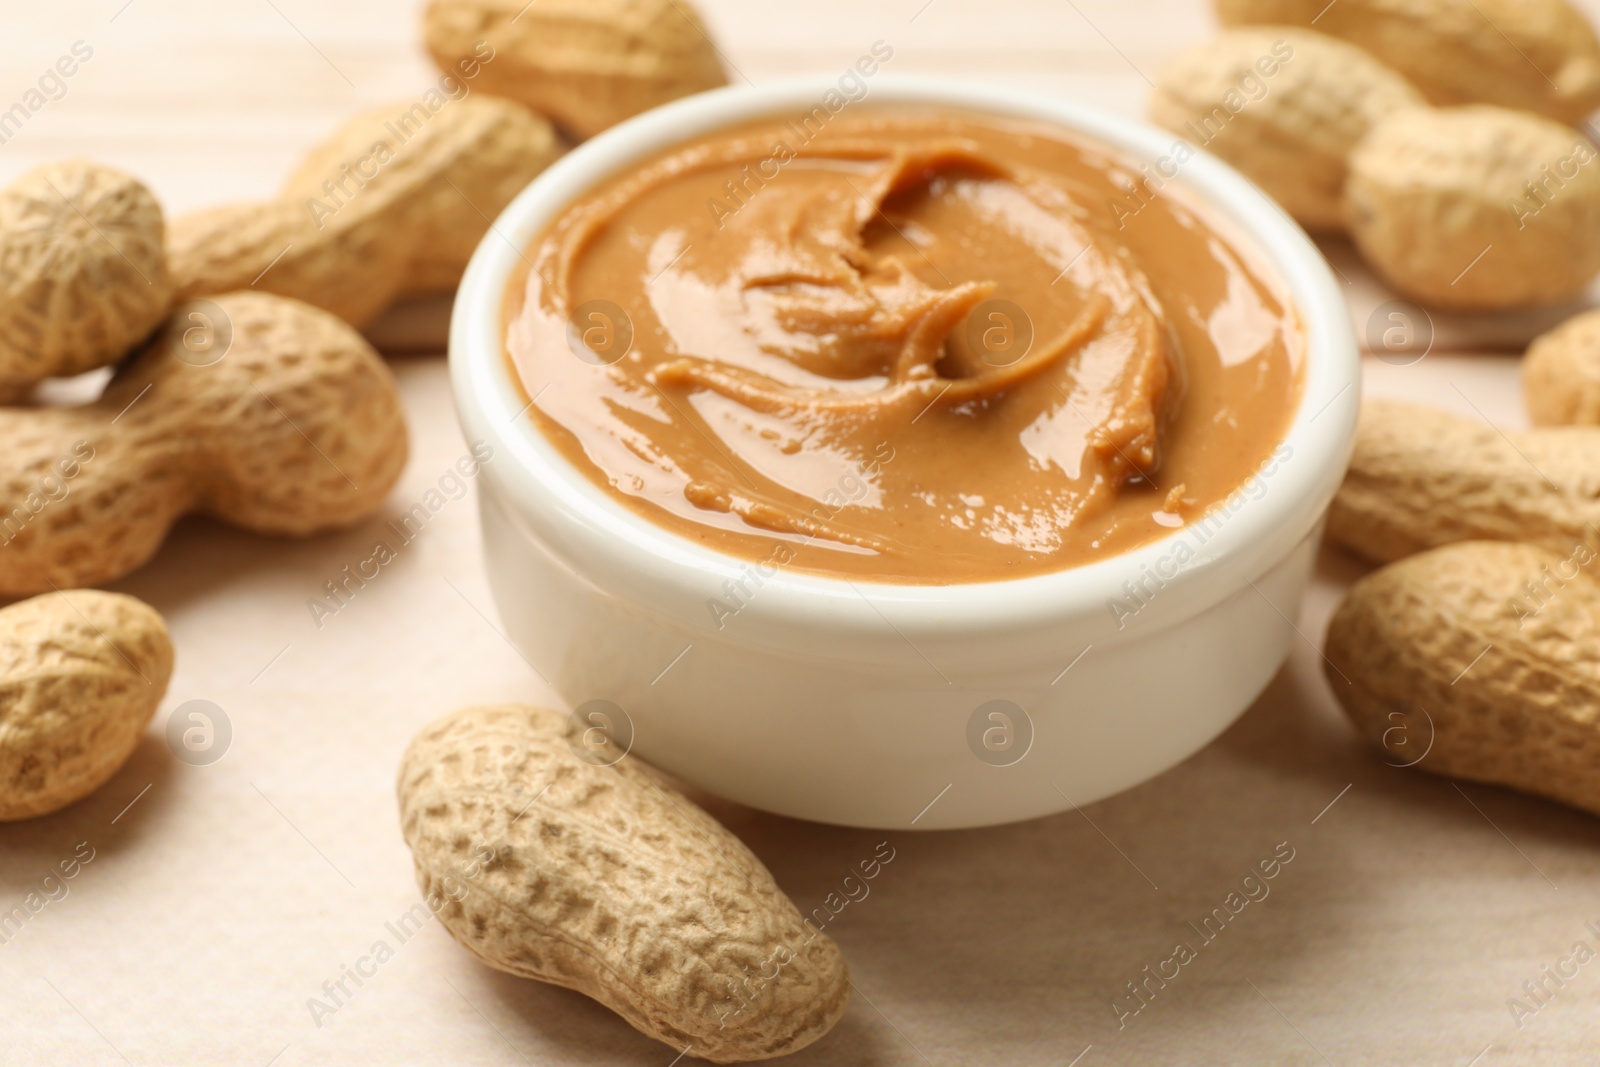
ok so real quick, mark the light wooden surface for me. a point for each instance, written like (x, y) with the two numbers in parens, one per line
(222, 897)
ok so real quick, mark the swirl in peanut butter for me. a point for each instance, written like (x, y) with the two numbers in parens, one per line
(915, 346)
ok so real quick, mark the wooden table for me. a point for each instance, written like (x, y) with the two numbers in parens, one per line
(221, 898)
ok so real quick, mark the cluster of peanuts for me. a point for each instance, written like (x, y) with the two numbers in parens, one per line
(241, 389)
(1477, 644)
(1435, 133)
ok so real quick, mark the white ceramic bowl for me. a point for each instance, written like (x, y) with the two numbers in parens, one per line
(868, 704)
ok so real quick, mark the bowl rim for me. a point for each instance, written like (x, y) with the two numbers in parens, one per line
(651, 565)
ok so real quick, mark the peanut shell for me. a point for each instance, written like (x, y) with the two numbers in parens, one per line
(257, 410)
(606, 881)
(1561, 374)
(81, 674)
(1477, 207)
(1485, 657)
(1283, 105)
(391, 205)
(1533, 55)
(354, 270)
(1421, 478)
(588, 64)
(451, 173)
(83, 274)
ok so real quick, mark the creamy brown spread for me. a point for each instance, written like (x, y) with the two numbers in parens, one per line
(903, 344)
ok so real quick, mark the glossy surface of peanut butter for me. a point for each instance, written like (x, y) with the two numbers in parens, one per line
(901, 344)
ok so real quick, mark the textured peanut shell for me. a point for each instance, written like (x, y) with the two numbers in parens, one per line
(296, 429)
(588, 64)
(1533, 55)
(1428, 202)
(610, 883)
(453, 172)
(1420, 478)
(1293, 137)
(83, 274)
(354, 270)
(391, 205)
(81, 673)
(1561, 374)
(1451, 648)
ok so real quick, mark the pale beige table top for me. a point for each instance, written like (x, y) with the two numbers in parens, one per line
(220, 898)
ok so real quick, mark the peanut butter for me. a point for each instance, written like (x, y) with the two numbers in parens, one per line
(913, 345)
